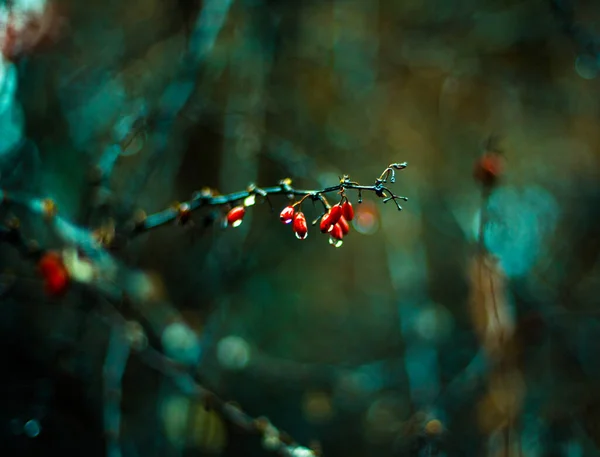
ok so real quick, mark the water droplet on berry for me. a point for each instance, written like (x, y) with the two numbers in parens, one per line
(335, 242)
(301, 237)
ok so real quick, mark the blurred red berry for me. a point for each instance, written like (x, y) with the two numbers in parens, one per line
(54, 273)
(299, 226)
(347, 210)
(235, 216)
(32, 32)
(489, 168)
(287, 214)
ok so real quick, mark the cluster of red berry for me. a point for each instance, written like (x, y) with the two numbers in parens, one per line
(335, 221)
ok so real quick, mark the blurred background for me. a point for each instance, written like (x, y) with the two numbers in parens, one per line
(465, 325)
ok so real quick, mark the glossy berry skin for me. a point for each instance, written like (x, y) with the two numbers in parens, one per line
(299, 226)
(347, 210)
(326, 224)
(287, 215)
(335, 213)
(343, 223)
(54, 272)
(337, 232)
(330, 219)
(235, 216)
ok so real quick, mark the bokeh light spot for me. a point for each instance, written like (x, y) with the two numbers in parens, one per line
(586, 66)
(32, 428)
(233, 352)
(317, 407)
(366, 218)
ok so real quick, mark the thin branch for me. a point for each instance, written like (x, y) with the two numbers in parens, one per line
(206, 198)
(93, 245)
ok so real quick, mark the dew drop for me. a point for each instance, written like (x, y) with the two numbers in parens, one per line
(335, 242)
(249, 201)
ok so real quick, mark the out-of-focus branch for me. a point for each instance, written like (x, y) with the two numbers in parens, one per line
(564, 11)
(115, 364)
(181, 375)
(273, 439)
(94, 246)
(177, 94)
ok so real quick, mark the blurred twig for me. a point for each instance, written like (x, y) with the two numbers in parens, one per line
(115, 364)
(182, 377)
(564, 10)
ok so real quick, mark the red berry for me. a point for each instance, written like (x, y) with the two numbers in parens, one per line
(56, 283)
(299, 226)
(287, 214)
(343, 223)
(335, 213)
(336, 236)
(326, 224)
(54, 272)
(235, 216)
(337, 232)
(488, 168)
(49, 262)
(347, 210)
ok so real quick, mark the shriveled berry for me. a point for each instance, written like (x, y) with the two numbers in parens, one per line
(347, 210)
(299, 226)
(287, 214)
(343, 223)
(235, 216)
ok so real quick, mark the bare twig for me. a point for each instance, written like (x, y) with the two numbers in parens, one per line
(207, 198)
